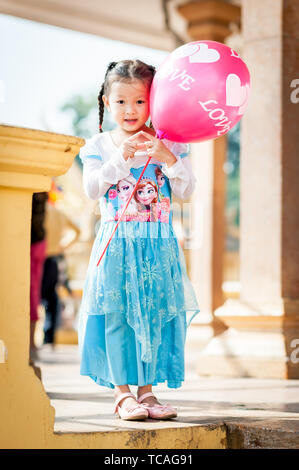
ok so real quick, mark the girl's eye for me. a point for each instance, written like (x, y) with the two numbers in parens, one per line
(140, 101)
(120, 101)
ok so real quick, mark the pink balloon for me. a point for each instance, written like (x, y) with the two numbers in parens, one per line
(199, 92)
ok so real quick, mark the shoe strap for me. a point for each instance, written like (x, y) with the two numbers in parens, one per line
(120, 398)
(145, 395)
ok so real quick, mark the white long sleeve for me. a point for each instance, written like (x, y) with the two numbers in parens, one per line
(104, 166)
(98, 175)
(180, 174)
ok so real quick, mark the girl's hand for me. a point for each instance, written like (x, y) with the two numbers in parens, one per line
(129, 146)
(157, 149)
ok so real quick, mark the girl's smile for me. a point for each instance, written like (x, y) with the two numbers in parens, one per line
(131, 121)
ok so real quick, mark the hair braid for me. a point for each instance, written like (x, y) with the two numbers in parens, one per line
(100, 96)
(101, 107)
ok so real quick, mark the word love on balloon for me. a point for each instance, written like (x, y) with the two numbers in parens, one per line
(199, 92)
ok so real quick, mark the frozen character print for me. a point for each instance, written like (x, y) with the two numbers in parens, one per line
(160, 180)
(124, 190)
(164, 209)
(164, 201)
(112, 194)
(146, 196)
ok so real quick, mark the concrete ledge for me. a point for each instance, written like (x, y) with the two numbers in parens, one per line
(262, 434)
(188, 437)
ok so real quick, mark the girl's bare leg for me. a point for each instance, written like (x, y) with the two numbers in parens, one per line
(144, 389)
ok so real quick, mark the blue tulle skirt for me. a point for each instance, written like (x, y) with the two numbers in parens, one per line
(133, 315)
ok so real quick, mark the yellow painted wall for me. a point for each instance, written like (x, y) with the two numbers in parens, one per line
(25, 412)
(28, 160)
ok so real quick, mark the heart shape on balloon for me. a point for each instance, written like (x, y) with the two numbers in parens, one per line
(184, 51)
(201, 54)
(205, 55)
(236, 94)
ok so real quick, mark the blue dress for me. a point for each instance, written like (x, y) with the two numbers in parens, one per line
(132, 318)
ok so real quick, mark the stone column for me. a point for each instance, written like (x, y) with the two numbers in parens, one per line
(263, 335)
(208, 20)
(28, 161)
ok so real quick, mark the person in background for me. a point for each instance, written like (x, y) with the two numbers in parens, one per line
(37, 257)
(55, 270)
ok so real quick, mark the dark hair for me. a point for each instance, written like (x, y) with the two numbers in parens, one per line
(124, 70)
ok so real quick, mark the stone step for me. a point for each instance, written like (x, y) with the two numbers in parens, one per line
(262, 434)
(213, 412)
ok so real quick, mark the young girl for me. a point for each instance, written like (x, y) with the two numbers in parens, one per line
(132, 319)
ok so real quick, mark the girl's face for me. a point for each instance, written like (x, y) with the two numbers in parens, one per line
(146, 194)
(129, 104)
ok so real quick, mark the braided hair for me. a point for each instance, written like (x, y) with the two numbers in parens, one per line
(123, 70)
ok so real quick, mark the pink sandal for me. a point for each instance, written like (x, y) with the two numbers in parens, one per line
(135, 413)
(158, 411)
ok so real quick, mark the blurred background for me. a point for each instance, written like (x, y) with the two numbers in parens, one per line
(49, 80)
